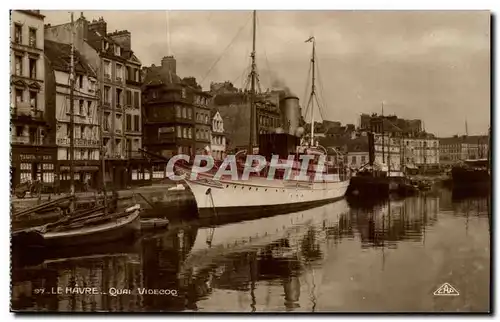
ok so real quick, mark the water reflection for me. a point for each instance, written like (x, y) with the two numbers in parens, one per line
(309, 261)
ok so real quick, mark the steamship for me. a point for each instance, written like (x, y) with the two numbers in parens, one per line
(261, 195)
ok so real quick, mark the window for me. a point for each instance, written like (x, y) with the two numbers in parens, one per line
(185, 133)
(19, 65)
(190, 133)
(106, 121)
(190, 113)
(118, 97)
(89, 108)
(136, 100)
(184, 112)
(33, 99)
(80, 107)
(78, 131)
(118, 51)
(119, 72)
(107, 96)
(32, 66)
(129, 122)
(136, 123)
(19, 130)
(80, 81)
(128, 100)
(183, 93)
(32, 37)
(19, 95)
(363, 159)
(107, 69)
(18, 34)
(177, 111)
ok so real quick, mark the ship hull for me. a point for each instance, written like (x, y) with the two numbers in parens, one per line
(262, 197)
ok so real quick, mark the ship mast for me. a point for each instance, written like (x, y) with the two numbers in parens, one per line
(72, 113)
(252, 90)
(313, 87)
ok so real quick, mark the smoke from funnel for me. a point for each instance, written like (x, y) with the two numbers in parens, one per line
(279, 84)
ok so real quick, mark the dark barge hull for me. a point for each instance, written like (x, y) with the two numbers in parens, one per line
(376, 187)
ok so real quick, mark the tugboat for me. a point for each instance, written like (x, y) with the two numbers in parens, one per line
(261, 194)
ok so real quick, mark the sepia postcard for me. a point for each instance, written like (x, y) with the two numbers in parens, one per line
(250, 161)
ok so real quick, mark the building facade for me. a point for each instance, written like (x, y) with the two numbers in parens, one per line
(33, 155)
(234, 107)
(218, 138)
(86, 120)
(110, 55)
(132, 128)
(420, 152)
(176, 111)
(387, 152)
(458, 148)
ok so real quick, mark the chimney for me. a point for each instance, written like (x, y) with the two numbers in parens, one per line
(168, 63)
(100, 26)
(123, 38)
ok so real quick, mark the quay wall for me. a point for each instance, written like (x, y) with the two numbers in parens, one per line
(156, 200)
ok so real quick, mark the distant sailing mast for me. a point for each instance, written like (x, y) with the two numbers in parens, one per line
(72, 116)
(313, 87)
(251, 141)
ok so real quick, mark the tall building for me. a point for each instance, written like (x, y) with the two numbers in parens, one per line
(118, 75)
(132, 99)
(234, 107)
(33, 155)
(176, 111)
(86, 120)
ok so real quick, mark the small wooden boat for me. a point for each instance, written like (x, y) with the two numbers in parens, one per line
(95, 229)
(153, 223)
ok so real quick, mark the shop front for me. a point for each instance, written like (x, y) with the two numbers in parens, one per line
(32, 163)
(86, 175)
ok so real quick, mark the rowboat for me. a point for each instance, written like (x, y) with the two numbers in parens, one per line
(95, 230)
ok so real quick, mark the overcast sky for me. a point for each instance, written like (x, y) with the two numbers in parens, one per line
(434, 66)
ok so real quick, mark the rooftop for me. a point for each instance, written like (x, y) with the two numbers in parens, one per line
(59, 55)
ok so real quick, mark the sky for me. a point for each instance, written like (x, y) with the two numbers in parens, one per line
(428, 65)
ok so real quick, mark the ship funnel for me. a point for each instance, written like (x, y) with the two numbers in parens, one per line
(290, 112)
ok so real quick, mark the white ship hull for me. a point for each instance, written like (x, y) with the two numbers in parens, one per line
(226, 197)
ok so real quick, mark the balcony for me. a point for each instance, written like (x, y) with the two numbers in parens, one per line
(118, 131)
(19, 140)
(135, 155)
(26, 114)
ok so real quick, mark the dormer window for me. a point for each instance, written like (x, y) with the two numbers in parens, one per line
(183, 93)
(118, 51)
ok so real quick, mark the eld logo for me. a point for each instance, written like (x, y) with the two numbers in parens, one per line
(446, 290)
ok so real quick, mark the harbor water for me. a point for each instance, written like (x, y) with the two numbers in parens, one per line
(349, 256)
